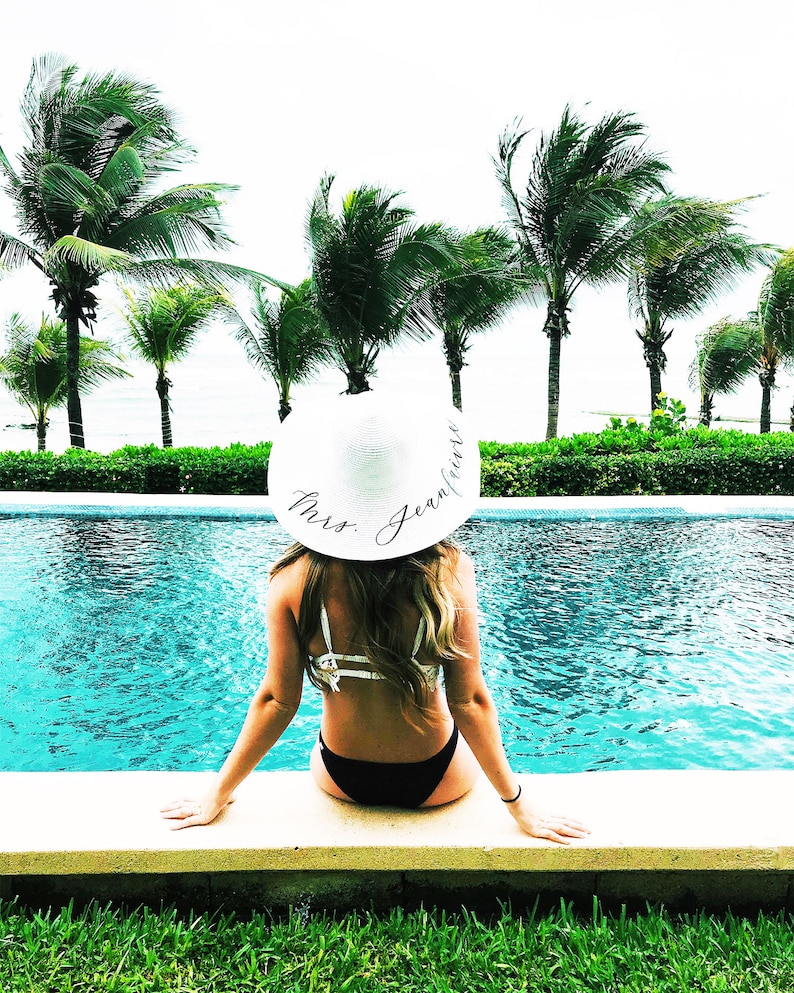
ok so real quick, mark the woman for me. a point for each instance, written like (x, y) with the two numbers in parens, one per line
(373, 603)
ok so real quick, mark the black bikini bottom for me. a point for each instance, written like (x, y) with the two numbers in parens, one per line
(389, 784)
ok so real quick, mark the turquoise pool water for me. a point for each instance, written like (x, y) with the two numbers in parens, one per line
(135, 643)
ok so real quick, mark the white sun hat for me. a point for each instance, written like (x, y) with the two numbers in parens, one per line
(373, 475)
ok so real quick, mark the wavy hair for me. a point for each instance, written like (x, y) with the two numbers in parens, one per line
(377, 592)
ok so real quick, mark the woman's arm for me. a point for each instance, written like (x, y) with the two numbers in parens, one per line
(270, 712)
(475, 714)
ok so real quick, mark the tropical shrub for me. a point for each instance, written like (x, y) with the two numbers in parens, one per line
(755, 470)
(238, 469)
(614, 462)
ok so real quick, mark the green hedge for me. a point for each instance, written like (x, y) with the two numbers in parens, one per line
(689, 462)
(763, 472)
(628, 460)
(623, 441)
(237, 469)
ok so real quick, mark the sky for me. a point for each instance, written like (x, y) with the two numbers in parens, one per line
(413, 97)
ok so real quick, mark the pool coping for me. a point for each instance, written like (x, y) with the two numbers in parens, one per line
(698, 837)
(638, 820)
(693, 837)
(88, 504)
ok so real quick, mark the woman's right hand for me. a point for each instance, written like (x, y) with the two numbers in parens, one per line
(192, 813)
(551, 827)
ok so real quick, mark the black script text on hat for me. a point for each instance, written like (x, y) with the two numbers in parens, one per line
(392, 528)
(308, 501)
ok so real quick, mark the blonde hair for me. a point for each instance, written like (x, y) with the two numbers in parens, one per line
(378, 591)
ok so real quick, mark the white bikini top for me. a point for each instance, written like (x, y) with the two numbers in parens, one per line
(329, 672)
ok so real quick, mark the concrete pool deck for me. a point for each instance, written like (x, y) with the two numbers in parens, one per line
(686, 839)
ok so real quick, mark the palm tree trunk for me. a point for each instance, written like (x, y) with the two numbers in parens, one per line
(767, 379)
(165, 410)
(457, 399)
(556, 329)
(653, 342)
(41, 433)
(357, 381)
(553, 404)
(766, 409)
(656, 386)
(359, 365)
(706, 409)
(791, 418)
(454, 353)
(73, 407)
(284, 407)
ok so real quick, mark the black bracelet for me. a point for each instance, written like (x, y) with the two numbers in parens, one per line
(514, 798)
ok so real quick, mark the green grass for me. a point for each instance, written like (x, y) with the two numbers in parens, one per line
(105, 949)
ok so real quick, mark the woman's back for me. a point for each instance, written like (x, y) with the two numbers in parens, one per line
(367, 718)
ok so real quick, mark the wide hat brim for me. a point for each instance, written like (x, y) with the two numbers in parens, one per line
(373, 476)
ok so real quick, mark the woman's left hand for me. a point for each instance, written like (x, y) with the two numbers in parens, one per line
(193, 813)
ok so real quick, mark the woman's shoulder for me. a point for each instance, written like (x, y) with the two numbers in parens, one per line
(288, 576)
(462, 579)
(457, 561)
(463, 559)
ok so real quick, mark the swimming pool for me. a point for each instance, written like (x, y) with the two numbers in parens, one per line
(609, 641)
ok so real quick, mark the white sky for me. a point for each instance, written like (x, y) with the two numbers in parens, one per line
(413, 97)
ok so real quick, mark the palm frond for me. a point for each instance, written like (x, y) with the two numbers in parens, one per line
(289, 342)
(727, 353)
(123, 174)
(478, 290)
(12, 179)
(688, 252)
(583, 185)
(210, 272)
(526, 221)
(15, 253)
(177, 222)
(88, 255)
(164, 322)
(98, 363)
(776, 305)
(68, 194)
(508, 145)
(34, 365)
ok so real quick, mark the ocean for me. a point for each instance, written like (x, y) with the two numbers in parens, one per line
(218, 399)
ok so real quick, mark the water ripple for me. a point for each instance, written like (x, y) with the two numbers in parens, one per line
(136, 644)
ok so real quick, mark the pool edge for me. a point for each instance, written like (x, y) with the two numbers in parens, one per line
(44, 503)
(693, 838)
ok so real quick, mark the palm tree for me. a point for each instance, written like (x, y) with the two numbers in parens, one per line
(573, 222)
(691, 252)
(473, 294)
(33, 368)
(776, 320)
(370, 267)
(727, 354)
(289, 341)
(89, 200)
(163, 324)
(768, 360)
(772, 325)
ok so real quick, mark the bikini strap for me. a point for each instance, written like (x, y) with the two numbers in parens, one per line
(326, 627)
(420, 634)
